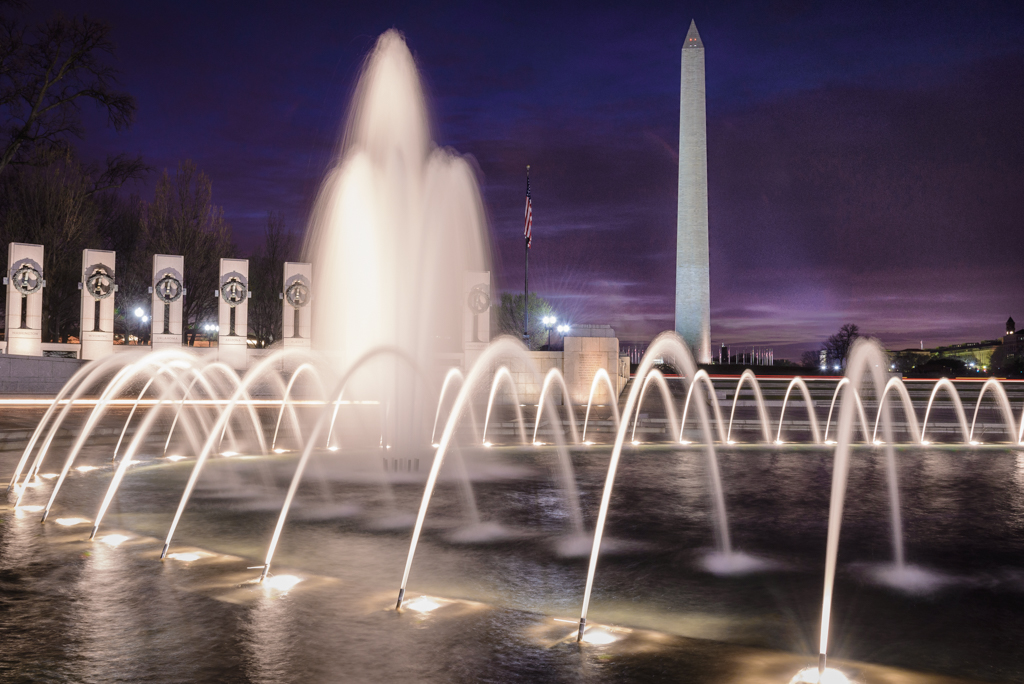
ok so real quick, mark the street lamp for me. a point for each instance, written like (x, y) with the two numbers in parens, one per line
(563, 330)
(141, 315)
(549, 322)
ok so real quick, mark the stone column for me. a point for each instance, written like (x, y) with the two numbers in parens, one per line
(476, 315)
(296, 315)
(98, 288)
(23, 327)
(167, 303)
(233, 310)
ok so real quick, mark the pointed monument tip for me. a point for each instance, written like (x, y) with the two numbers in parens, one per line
(692, 37)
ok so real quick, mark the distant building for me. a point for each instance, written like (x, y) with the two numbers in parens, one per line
(976, 356)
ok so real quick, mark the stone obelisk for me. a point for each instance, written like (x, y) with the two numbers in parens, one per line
(693, 291)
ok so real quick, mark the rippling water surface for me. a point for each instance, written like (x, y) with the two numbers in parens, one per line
(74, 611)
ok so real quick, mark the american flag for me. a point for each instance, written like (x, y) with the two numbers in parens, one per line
(528, 231)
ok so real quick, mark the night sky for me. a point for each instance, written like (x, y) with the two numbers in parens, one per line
(865, 164)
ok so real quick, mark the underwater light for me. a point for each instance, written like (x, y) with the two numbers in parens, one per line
(588, 443)
(731, 441)
(85, 469)
(229, 453)
(435, 445)
(114, 539)
(685, 441)
(925, 442)
(186, 557)
(975, 442)
(599, 637)
(830, 442)
(487, 444)
(538, 444)
(68, 522)
(279, 451)
(175, 458)
(779, 441)
(422, 604)
(334, 448)
(878, 442)
(48, 476)
(636, 442)
(809, 675)
(281, 582)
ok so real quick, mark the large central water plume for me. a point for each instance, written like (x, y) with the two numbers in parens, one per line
(396, 226)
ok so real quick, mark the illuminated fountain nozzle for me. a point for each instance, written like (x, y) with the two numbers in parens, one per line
(811, 675)
(281, 582)
(599, 637)
(423, 604)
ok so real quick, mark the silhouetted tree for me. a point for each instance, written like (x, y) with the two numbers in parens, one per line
(811, 359)
(266, 280)
(46, 74)
(183, 220)
(837, 347)
(510, 318)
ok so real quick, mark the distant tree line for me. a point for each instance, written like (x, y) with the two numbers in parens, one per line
(49, 196)
(836, 350)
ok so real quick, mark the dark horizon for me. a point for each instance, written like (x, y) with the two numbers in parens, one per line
(864, 165)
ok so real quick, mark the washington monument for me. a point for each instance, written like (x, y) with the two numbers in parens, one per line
(693, 295)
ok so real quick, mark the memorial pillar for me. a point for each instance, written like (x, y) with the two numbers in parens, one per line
(98, 288)
(167, 303)
(296, 316)
(24, 280)
(476, 317)
(233, 298)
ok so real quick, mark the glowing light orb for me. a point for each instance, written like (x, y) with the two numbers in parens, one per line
(48, 476)
(636, 443)
(588, 443)
(186, 557)
(830, 442)
(685, 441)
(878, 442)
(85, 469)
(809, 675)
(279, 451)
(599, 637)
(422, 604)
(731, 441)
(175, 458)
(68, 522)
(925, 442)
(538, 444)
(435, 445)
(229, 453)
(334, 448)
(487, 444)
(281, 582)
(30, 509)
(975, 442)
(114, 540)
(779, 441)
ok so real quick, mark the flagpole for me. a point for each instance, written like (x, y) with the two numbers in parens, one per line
(526, 299)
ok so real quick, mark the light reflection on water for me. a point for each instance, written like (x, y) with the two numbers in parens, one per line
(74, 611)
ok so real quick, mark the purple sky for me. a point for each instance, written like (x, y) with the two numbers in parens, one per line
(865, 165)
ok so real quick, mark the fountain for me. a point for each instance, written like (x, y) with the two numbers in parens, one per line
(400, 222)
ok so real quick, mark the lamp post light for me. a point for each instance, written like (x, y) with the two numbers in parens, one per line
(143, 318)
(563, 330)
(549, 322)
